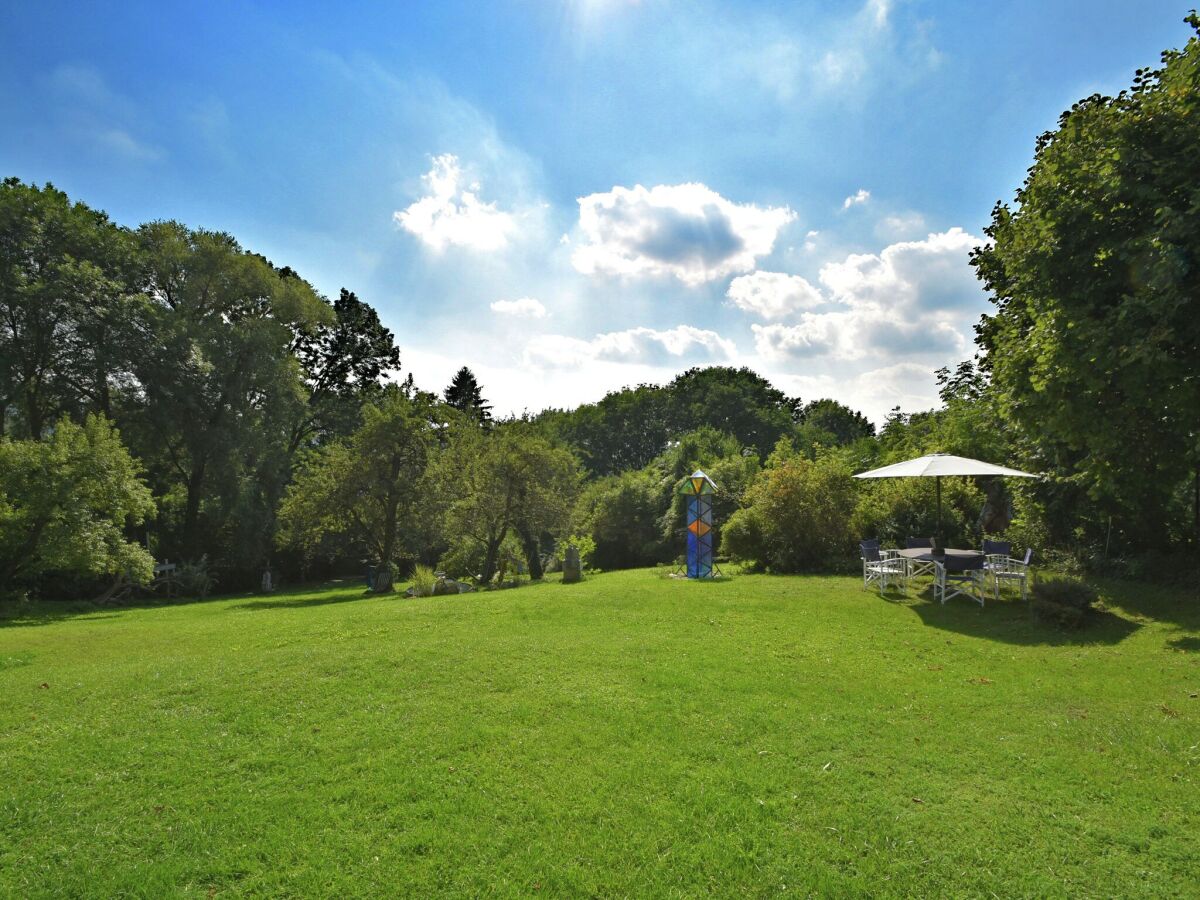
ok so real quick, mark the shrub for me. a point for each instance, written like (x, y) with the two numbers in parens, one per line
(622, 514)
(194, 580)
(797, 516)
(1062, 600)
(892, 509)
(584, 544)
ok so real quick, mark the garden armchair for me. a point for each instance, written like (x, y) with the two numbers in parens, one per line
(880, 570)
(957, 576)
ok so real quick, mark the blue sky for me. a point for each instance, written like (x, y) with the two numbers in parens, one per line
(574, 196)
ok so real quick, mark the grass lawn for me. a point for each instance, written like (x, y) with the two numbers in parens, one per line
(629, 736)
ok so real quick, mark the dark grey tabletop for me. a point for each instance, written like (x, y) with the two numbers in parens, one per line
(924, 554)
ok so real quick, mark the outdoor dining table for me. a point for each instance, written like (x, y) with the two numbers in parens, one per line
(926, 554)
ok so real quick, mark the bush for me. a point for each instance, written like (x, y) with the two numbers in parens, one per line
(892, 509)
(194, 580)
(797, 516)
(1062, 600)
(584, 544)
(623, 514)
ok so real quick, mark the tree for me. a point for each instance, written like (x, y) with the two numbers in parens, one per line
(1094, 346)
(625, 430)
(623, 515)
(464, 394)
(367, 487)
(738, 402)
(798, 515)
(832, 424)
(218, 387)
(343, 363)
(65, 503)
(66, 298)
(509, 480)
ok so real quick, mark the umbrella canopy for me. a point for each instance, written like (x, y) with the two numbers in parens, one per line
(938, 464)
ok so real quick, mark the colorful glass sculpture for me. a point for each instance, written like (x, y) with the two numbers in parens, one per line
(699, 488)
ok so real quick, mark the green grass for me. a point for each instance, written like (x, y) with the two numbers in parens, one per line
(628, 736)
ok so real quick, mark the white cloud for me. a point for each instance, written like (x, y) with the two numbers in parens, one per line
(900, 225)
(912, 299)
(932, 274)
(688, 231)
(647, 346)
(521, 308)
(862, 195)
(773, 295)
(451, 213)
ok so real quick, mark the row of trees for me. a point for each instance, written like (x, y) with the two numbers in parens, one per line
(165, 393)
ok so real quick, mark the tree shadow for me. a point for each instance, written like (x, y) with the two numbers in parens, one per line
(313, 599)
(46, 612)
(1185, 644)
(1010, 622)
(1175, 605)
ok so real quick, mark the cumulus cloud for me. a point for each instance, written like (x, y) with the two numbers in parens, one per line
(913, 298)
(862, 195)
(521, 308)
(451, 213)
(932, 274)
(772, 295)
(688, 231)
(682, 344)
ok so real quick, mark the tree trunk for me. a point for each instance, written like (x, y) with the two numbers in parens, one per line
(533, 553)
(493, 553)
(191, 512)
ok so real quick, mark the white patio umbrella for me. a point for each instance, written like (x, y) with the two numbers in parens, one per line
(938, 464)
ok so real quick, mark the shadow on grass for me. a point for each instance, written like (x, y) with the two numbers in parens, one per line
(1010, 622)
(1178, 606)
(46, 612)
(310, 599)
(1185, 644)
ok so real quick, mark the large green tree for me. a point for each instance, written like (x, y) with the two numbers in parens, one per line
(1094, 346)
(511, 480)
(465, 394)
(67, 303)
(343, 362)
(65, 503)
(219, 389)
(368, 486)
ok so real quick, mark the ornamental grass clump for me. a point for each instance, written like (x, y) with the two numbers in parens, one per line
(1062, 600)
(423, 581)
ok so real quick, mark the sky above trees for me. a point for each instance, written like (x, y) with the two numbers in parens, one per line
(572, 197)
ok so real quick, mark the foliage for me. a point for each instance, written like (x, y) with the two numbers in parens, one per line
(464, 394)
(1062, 600)
(622, 514)
(342, 363)
(368, 486)
(66, 296)
(1094, 346)
(798, 515)
(832, 424)
(585, 546)
(65, 502)
(893, 509)
(195, 579)
(508, 479)
(423, 581)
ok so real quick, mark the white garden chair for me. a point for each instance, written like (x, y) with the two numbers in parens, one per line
(1006, 570)
(881, 567)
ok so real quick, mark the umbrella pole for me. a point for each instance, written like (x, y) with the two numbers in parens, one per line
(938, 480)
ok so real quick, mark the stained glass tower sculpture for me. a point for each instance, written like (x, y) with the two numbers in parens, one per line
(699, 489)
